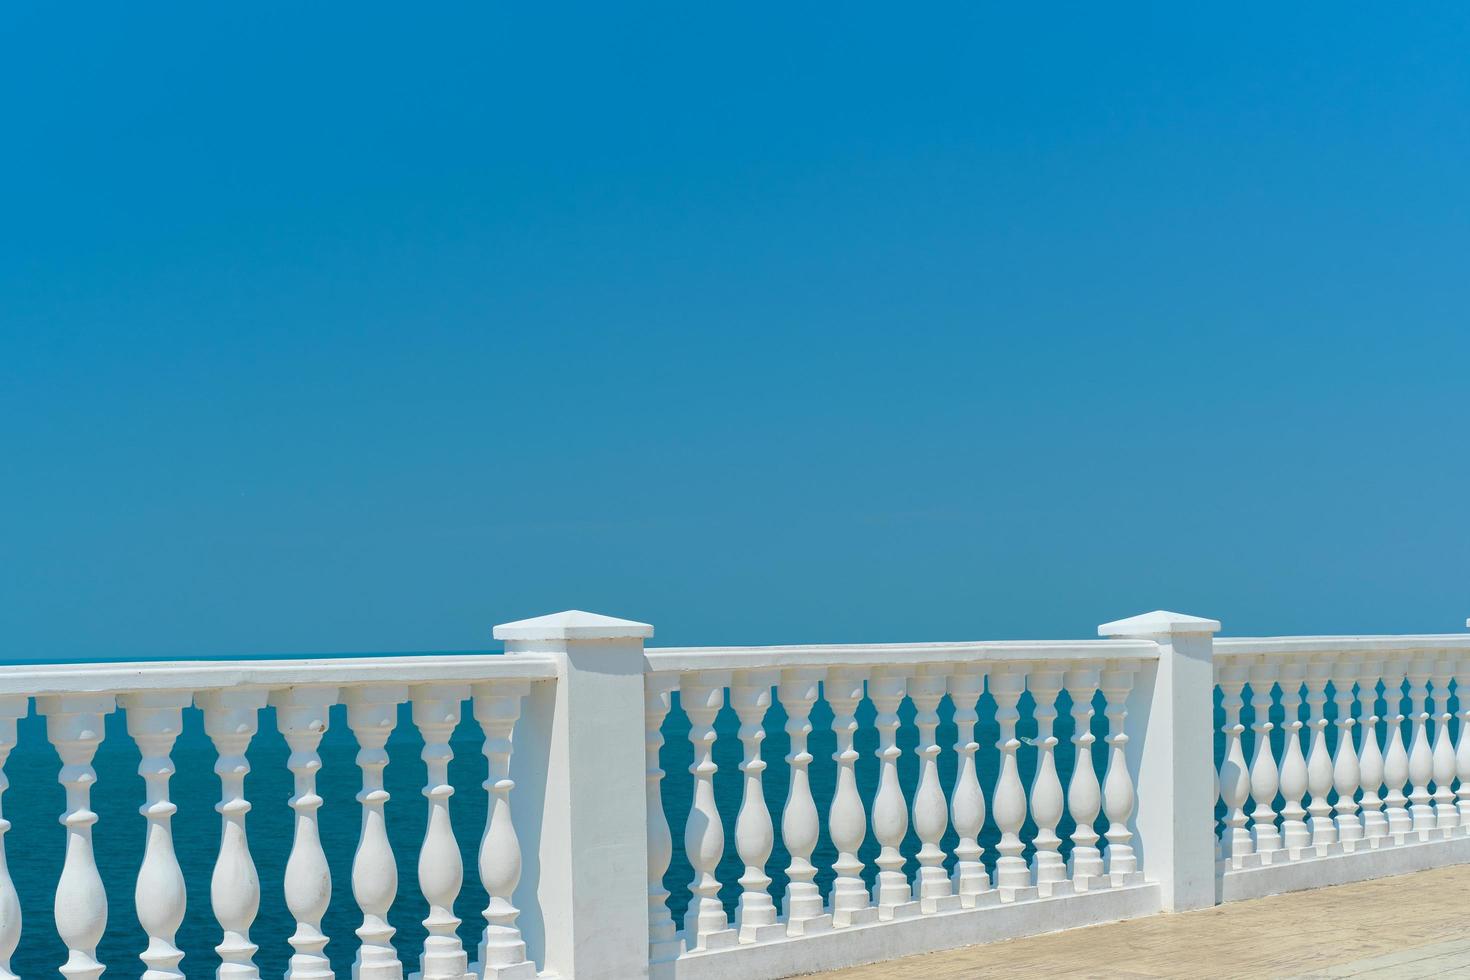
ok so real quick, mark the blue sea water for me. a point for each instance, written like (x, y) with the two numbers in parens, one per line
(36, 841)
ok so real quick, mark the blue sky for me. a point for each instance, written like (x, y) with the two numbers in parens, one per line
(330, 329)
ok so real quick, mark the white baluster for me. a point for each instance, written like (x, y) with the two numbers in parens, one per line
(1008, 807)
(74, 725)
(1319, 760)
(755, 836)
(1265, 777)
(1084, 794)
(931, 811)
(436, 714)
(302, 717)
(1294, 833)
(1118, 793)
(1048, 868)
(1446, 817)
(1396, 757)
(231, 719)
(1234, 777)
(705, 924)
(1370, 757)
(12, 708)
(847, 823)
(800, 823)
(663, 938)
(502, 950)
(1345, 773)
(1462, 747)
(891, 893)
(967, 804)
(155, 720)
(372, 713)
(1421, 757)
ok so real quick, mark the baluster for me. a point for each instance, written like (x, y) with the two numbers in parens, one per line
(1370, 757)
(1294, 833)
(74, 725)
(302, 716)
(705, 924)
(663, 939)
(155, 720)
(1421, 758)
(497, 707)
(800, 824)
(1319, 760)
(931, 811)
(1008, 807)
(1118, 793)
(891, 893)
(967, 805)
(1265, 777)
(1446, 817)
(1396, 758)
(1048, 868)
(1345, 772)
(231, 719)
(436, 714)
(1084, 794)
(12, 708)
(1462, 747)
(847, 823)
(750, 697)
(1234, 777)
(372, 713)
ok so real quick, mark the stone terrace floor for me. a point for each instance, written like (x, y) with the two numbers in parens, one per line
(1410, 926)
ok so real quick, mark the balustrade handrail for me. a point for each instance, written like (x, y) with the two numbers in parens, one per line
(208, 675)
(1238, 646)
(676, 659)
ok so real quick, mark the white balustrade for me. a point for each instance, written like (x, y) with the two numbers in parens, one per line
(755, 836)
(847, 822)
(372, 714)
(231, 718)
(1346, 774)
(967, 803)
(933, 888)
(11, 709)
(1008, 806)
(1370, 756)
(502, 951)
(1119, 797)
(800, 822)
(706, 926)
(1294, 833)
(1048, 868)
(1421, 757)
(436, 714)
(1265, 776)
(1446, 816)
(1395, 756)
(1234, 776)
(585, 853)
(1084, 792)
(1319, 760)
(663, 940)
(302, 715)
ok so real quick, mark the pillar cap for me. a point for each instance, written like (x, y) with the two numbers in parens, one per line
(574, 624)
(1158, 623)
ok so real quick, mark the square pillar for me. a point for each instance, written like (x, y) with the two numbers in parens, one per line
(1170, 728)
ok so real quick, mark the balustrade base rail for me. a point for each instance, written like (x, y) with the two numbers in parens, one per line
(1339, 867)
(879, 941)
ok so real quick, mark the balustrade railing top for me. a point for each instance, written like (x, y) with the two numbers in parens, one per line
(894, 654)
(1235, 646)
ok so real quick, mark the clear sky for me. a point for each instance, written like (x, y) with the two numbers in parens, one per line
(350, 328)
